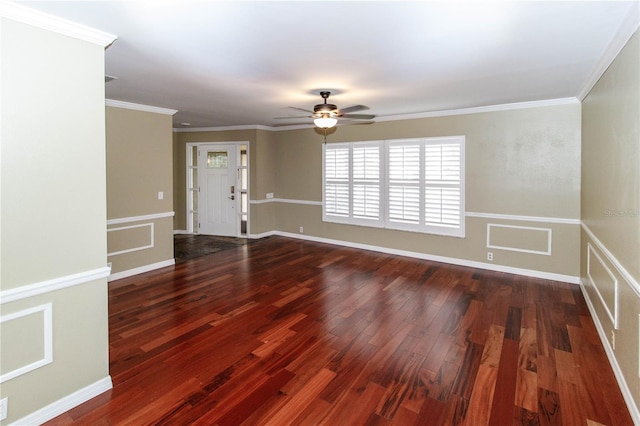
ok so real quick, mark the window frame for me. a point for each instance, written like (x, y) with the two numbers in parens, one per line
(350, 218)
(386, 183)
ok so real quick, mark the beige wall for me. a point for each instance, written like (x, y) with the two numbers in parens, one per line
(611, 208)
(53, 215)
(519, 162)
(139, 166)
(523, 162)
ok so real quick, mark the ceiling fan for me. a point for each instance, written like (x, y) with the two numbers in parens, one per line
(326, 115)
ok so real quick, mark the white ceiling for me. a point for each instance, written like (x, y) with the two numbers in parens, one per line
(243, 63)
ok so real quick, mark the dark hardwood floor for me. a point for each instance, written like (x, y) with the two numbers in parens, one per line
(283, 331)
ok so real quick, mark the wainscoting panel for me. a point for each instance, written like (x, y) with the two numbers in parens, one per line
(127, 239)
(612, 293)
(524, 239)
(139, 243)
(28, 337)
(604, 283)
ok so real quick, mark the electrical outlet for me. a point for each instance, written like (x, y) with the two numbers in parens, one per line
(269, 195)
(489, 255)
(160, 195)
(302, 229)
(3, 407)
(613, 340)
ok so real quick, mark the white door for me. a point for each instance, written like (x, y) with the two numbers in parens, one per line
(217, 167)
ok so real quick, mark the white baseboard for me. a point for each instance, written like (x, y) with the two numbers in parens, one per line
(264, 235)
(67, 403)
(141, 269)
(181, 232)
(455, 261)
(622, 383)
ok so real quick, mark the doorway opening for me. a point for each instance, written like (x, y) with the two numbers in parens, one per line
(218, 188)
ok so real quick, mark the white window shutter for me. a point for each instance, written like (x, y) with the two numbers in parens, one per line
(407, 184)
(336, 182)
(442, 195)
(366, 182)
(404, 182)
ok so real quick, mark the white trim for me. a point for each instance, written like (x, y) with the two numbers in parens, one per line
(612, 316)
(189, 167)
(479, 109)
(622, 383)
(626, 30)
(140, 218)
(385, 182)
(139, 248)
(47, 286)
(521, 218)
(181, 232)
(286, 200)
(432, 114)
(141, 269)
(67, 403)
(633, 283)
(455, 261)
(243, 127)
(543, 219)
(47, 327)
(520, 250)
(139, 107)
(36, 18)
(263, 235)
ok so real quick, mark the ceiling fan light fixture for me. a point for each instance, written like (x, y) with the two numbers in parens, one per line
(325, 122)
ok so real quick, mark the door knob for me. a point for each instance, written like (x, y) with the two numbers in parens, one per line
(233, 197)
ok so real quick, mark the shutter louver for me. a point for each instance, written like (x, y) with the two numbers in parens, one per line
(336, 191)
(442, 204)
(366, 182)
(404, 183)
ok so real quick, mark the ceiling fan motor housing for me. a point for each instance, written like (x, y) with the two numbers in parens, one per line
(325, 109)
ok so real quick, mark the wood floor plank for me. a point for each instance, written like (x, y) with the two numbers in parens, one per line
(528, 359)
(298, 402)
(526, 396)
(493, 347)
(506, 379)
(572, 411)
(284, 331)
(549, 410)
(481, 400)
(355, 405)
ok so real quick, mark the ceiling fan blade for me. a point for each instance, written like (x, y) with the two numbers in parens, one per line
(301, 109)
(353, 108)
(359, 116)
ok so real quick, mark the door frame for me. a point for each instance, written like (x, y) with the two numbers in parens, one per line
(190, 168)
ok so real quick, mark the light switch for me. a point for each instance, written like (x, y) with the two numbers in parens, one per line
(160, 195)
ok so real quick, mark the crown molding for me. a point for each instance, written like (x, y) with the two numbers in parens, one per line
(628, 27)
(139, 107)
(476, 110)
(242, 127)
(25, 15)
(462, 111)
